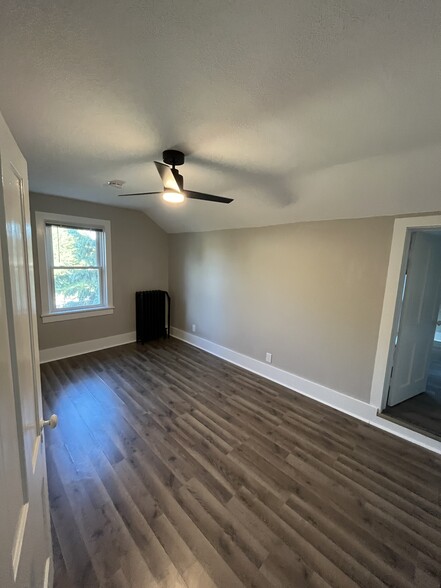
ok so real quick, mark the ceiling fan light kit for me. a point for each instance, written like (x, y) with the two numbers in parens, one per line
(172, 196)
(173, 182)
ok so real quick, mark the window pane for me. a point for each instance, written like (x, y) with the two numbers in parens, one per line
(77, 287)
(74, 246)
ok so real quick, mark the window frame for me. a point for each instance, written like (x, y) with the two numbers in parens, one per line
(49, 312)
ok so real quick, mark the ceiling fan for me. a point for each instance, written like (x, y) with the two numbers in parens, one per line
(173, 181)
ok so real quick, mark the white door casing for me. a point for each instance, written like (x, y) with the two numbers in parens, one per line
(390, 313)
(418, 318)
(25, 543)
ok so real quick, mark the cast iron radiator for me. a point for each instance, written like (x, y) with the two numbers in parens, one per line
(152, 315)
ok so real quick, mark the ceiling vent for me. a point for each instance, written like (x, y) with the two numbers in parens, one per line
(115, 184)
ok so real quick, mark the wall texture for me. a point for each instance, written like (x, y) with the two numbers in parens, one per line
(309, 293)
(139, 262)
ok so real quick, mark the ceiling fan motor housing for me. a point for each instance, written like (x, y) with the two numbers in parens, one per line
(173, 157)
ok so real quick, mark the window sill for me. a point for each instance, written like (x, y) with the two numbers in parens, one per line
(67, 315)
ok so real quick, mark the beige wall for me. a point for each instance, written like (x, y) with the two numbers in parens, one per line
(309, 293)
(139, 262)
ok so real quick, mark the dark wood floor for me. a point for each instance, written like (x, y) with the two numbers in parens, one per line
(423, 412)
(172, 468)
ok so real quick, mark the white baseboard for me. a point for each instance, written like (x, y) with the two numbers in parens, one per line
(342, 402)
(351, 406)
(85, 347)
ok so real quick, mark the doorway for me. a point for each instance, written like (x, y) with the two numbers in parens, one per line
(414, 388)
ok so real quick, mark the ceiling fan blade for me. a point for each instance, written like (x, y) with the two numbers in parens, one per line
(167, 176)
(141, 194)
(207, 197)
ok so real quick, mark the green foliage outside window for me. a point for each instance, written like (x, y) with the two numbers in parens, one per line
(76, 275)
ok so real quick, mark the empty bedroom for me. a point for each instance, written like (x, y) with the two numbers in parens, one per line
(220, 294)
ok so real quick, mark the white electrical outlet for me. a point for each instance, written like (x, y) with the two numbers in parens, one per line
(269, 357)
(193, 328)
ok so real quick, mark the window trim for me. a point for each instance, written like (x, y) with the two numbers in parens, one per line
(48, 314)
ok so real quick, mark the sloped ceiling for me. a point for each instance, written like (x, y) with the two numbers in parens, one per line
(300, 110)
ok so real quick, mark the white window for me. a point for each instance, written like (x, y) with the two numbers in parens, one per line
(75, 266)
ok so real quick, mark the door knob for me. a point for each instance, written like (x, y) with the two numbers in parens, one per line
(52, 422)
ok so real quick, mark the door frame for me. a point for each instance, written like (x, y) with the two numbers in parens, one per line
(392, 302)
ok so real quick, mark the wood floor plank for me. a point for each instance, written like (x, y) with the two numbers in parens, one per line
(223, 542)
(244, 540)
(165, 494)
(171, 468)
(307, 557)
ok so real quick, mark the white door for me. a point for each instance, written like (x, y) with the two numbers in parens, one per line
(418, 318)
(25, 543)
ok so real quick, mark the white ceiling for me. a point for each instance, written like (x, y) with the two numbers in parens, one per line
(300, 110)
